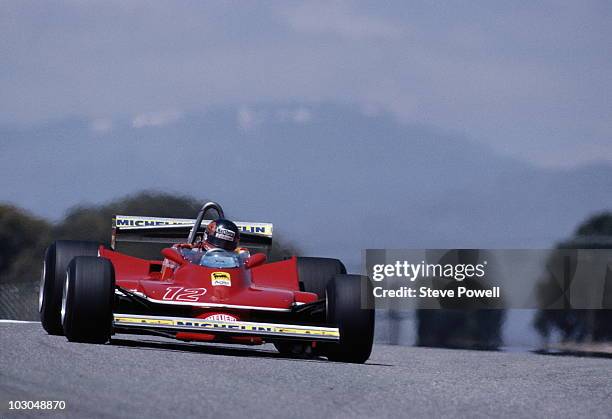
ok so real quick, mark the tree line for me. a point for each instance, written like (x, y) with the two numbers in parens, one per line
(25, 236)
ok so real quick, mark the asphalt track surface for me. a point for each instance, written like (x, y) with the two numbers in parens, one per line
(149, 377)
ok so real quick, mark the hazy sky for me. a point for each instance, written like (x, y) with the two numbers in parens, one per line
(532, 79)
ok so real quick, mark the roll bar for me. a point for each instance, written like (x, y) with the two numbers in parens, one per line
(196, 226)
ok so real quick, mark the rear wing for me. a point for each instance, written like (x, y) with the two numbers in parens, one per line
(129, 228)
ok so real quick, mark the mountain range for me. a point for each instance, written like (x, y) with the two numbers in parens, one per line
(332, 178)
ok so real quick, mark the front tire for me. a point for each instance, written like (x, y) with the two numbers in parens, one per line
(57, 258)
(315, 273)
(356, 324)
(87, 300)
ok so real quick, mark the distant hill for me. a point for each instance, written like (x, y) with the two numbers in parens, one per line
(333, 182)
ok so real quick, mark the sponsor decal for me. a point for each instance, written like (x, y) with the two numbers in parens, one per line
(166, 322)
(238, 326)
(223, 279)
(148, 222)
(264, 229)
(255, 229)
(225, 234)
(222, 317)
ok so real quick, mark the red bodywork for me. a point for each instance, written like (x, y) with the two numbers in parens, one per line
(235, 294)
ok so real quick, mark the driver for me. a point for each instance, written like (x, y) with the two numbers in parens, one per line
(221, 234)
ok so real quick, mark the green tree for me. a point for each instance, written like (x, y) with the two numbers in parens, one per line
(93, 222)
(598, 226)
(24, 238)
(578, 325)
(458, 325)
(22, 243)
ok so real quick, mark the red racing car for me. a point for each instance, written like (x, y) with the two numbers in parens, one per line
(199, 293)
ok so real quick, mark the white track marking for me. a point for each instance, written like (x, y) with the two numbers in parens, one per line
(16, 321)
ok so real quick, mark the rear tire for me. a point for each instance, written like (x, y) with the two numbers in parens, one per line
(57, 258)
(356, 324)
(87, 300)
(315, 273)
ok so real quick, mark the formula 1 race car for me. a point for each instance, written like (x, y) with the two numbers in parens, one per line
(303, 305)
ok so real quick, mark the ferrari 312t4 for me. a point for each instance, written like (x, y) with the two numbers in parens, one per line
(303, 305)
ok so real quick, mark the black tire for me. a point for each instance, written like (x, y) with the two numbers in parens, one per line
(315, 273)
(87, 300)
(356, 324)
(57, 258)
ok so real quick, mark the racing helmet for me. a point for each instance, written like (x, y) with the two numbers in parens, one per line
(223, 234)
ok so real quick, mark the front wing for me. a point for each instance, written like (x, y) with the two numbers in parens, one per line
(265, 330)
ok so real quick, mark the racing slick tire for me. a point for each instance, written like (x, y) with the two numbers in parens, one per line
(356, 324)
(57, 258)
(87, 300)
(315, 273)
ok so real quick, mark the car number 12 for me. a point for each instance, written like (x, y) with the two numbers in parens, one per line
(183, 294)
